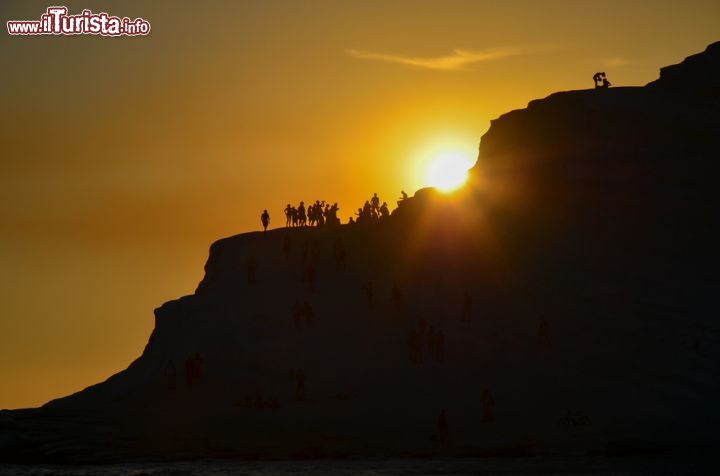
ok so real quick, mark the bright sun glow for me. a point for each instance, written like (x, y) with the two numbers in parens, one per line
(448, 170)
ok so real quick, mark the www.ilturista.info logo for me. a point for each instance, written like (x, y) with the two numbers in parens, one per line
(56, 21)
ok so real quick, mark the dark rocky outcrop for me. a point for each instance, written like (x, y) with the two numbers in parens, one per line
(592, 211)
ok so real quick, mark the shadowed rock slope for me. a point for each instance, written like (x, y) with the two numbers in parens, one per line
(587, 238)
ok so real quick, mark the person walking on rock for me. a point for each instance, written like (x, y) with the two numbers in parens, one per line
(265, 219)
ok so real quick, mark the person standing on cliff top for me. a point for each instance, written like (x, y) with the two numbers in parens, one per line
(288, 215)
(375, 202)
(265, 219)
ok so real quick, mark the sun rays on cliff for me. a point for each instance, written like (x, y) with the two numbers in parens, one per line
(449, 170)
(443, 161)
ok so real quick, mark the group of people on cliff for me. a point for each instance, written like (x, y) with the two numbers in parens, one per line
(371, 211)
(321, 213)
(317, 214)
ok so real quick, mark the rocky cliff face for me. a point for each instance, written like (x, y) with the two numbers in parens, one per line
(586, 244)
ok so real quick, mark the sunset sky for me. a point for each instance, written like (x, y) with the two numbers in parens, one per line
(123, 159)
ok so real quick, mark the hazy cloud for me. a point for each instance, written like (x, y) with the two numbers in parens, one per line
(457, 61)
(614, 62)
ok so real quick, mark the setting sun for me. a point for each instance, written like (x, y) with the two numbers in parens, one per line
(448, 170)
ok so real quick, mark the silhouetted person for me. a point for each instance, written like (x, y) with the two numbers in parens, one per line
(288, 215)
(488, 404)
(251, 269)
(597, 78)
(367, 209)
(442, 427)
(286, 246)
(375, 202)
(403, 197)
(384, 212)
(302, 218)
(467, 306)
(601, 81)
(265, 219)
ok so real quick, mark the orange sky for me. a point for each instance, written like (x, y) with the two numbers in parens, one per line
(123, 158)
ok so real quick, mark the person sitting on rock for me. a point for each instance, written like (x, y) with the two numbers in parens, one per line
(265, 219)
(333, 219)
(384, 212)
(597, 78)
(403, 197)
(601, 81)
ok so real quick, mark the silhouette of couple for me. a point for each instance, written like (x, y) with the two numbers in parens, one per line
(601, 81)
